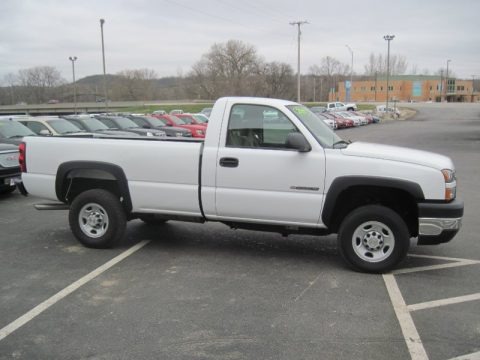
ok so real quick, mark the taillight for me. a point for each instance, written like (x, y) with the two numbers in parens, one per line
(22, 148)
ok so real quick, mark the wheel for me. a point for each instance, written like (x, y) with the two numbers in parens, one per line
(373, 238)
(97, 219)
(151, 219)
(8, 189)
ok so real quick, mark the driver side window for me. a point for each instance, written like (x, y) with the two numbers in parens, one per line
(258, 126)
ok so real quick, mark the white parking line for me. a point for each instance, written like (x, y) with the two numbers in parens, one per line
(472, 356)
(443, 302)
(37, 310)
(410, 333)
(436, 267)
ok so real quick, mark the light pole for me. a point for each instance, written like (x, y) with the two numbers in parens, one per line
(298, 23)
(446, 82)
(388, 38)
(73, 59)
(102, 21)
(351, 76)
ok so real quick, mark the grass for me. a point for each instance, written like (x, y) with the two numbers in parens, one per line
(195, 108)
(188, 108)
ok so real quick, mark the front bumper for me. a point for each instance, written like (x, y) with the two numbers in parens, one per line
(439, 222)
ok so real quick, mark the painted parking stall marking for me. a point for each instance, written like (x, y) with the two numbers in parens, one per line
(403, 311)
(37, 310)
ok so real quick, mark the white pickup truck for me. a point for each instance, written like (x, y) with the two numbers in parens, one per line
(339, 106)
(288, 173)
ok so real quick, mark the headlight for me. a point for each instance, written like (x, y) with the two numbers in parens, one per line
(448, 175)
(200, 132)
(149, 133)
(450, 184)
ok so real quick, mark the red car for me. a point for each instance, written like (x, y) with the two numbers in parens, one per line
(342, 123)
(198, 131)
(194, 119)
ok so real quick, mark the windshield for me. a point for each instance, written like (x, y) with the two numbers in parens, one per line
(177, 120)
(95, 124)
(11, 129)
(62, 126)
(186, 119)
(321, 131)
(201, 118)
(125, 123)
(156, 121)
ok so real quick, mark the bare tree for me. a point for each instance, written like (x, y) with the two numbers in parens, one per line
(135, 84)
(225, 69)
(378, 64)
(40, 83)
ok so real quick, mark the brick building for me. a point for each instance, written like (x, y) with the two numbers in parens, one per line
(408, 88)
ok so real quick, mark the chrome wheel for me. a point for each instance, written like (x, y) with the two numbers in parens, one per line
(373, 241)
(93, 220)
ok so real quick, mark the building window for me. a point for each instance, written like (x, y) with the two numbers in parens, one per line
(381, 88)
(372, 88)
(431, 88)
(460, 88)
(390, 88)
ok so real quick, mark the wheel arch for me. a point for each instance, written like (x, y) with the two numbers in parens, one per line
(348, 192)
(76, 176)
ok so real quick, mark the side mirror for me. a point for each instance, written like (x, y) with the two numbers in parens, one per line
(45, 132)
(297, 141)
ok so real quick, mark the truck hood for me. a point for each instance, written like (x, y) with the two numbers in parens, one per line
(397, 153)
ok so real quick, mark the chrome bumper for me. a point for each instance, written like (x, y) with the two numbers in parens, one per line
(435, 226)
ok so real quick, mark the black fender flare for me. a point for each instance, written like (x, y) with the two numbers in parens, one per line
(343, 183)
(93, 170)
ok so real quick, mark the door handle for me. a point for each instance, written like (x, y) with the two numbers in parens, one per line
(229, 162)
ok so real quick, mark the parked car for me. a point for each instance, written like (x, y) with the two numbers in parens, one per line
(365, 115)
(340, 121)
(329, 121)
(151, 122)
(206, 111)
(318, 109)
(9, 168)
(123, 123)
(193, 119)
(198, 131)
(87, 123)
(12, 132)
(358, 120)
(159, 112)
(53, 101)
(339, 106)
(51, 125)
(175, 112)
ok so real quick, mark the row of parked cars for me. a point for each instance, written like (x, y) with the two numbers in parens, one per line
(158, 124)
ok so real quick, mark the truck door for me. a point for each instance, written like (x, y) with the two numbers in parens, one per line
(258, 179)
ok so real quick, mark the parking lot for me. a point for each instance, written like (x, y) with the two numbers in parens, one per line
(188, 291)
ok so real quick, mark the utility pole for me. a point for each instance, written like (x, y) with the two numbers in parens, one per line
(102, 21)
(446, 82)
(388, 38)
(314, 86)
(351, 76)
(73, 59)
(299, 24)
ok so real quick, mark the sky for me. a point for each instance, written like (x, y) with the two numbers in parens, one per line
(169, 36)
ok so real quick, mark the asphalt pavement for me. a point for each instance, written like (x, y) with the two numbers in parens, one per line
(191, 291)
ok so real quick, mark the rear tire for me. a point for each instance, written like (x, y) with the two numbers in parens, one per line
(97, 219)
(373, 239)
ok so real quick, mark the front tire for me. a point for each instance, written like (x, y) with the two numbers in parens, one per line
(373, 238)
(97, 219)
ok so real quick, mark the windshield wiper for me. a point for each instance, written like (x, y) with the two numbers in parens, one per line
(341, 144)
